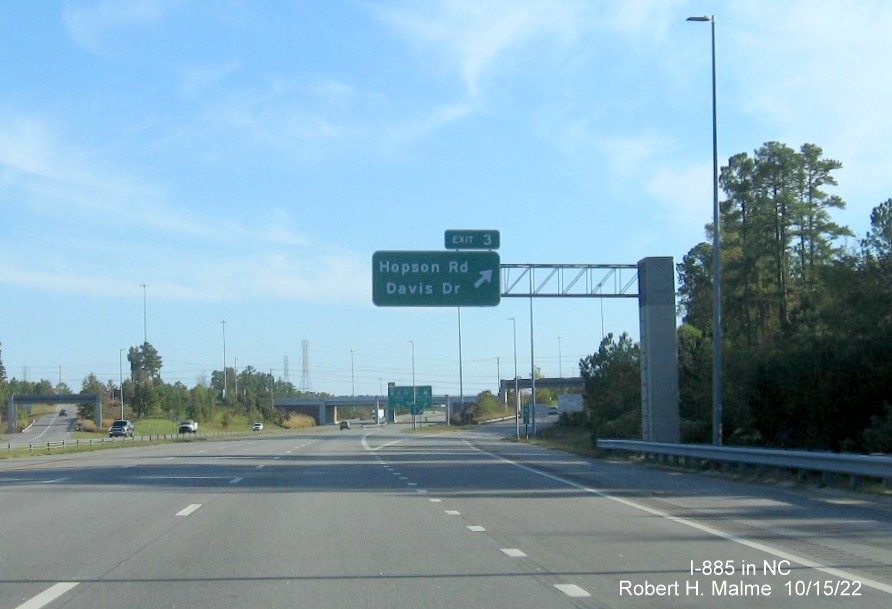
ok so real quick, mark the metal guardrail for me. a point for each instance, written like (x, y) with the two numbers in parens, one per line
(62, 445)
(863, 466)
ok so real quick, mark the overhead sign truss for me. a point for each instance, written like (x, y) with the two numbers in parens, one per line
(569, 280)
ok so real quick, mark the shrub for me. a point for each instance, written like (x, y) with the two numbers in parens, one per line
(298, 421)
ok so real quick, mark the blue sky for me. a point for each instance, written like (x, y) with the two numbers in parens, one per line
(246, 159)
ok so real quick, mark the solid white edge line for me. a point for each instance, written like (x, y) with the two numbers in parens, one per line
(48, 595)
(805, 562)
(188, 509)
(365, 443)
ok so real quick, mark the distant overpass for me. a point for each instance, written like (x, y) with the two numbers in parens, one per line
(325, 410)
(572, 382)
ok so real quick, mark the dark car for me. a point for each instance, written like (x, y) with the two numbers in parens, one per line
(122, 427)
(63, 413)
(345, 424)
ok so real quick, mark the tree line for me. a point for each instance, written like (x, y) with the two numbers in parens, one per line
(806, 318)
(247, 391)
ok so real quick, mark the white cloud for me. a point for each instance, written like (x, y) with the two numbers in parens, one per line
(471, 37)
(399, 133)
(134, 224)
(634, 155)
(88, 22)
(288, 116)
(686, 196)
(196, 79)
(815, 76)
(333, 91)
(647, 19)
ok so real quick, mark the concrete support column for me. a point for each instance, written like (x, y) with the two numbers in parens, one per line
(660, 421)
(98, 411)
(10, 415)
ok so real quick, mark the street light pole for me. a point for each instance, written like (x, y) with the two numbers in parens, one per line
(413, 384)
(121, 379)
(352, 377)
(461, 374)
(223, 323)
(716, 261)
(560, 363)
(532, 360)
(516, 392)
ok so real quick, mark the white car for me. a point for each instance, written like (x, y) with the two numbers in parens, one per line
(257, 426)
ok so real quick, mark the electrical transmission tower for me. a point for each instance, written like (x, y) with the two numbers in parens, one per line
(305, 384)
(287, 379)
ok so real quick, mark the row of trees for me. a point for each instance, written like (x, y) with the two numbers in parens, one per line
(248, 391)
(807, 319)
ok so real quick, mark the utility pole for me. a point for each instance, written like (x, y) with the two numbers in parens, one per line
(145, 333)
(223, 323)
(560, 363)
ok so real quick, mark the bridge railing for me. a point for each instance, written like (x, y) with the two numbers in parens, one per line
(825, 463)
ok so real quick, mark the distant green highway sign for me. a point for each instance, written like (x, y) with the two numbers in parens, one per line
(472, 239)
(402, 397)
(435, 279)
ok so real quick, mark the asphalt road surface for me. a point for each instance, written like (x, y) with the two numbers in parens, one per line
(47, 428)
(382, 518)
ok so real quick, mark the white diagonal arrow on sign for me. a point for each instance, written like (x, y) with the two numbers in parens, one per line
(485, 277)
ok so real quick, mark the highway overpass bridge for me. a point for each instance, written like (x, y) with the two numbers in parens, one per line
(572, 382)
(325, 410)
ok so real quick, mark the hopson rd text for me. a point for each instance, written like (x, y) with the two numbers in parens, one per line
(407, 269)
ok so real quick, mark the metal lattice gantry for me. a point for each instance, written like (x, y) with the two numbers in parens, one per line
(569, 280)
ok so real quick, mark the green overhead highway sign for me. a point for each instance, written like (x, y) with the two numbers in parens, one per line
(401, 397)
(435, 279)
(472, 239)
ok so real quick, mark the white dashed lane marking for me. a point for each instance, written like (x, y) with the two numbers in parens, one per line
(188, 510)
(514, 553)
(48, 595)
(572, 590)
